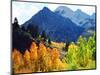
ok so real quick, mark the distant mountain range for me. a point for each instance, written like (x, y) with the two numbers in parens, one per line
(62, 24)
(78, 17)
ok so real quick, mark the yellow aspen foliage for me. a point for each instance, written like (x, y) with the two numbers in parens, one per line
(42, 50)
(43, 57)
(34, 56)
(50, 64)
(16, 56)
(56, 62)
(14, 53)
(27, 57)
(55, 54)
(73, 47)
(16, 59)
(48, 50)
(33, 51)
(38, 58)
(72, 53)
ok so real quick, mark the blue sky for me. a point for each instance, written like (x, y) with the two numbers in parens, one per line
(25, 10)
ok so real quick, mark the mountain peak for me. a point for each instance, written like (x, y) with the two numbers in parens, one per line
(63, 8)
(78, 10)
(45, 9)
(55, 25)
(81, 14)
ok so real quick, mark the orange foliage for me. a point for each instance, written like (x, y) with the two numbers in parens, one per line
(42, 50)
(26, 57)
(33, 51)
(16, 57)
(55, 54)
(56, 62)
(40, 58)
